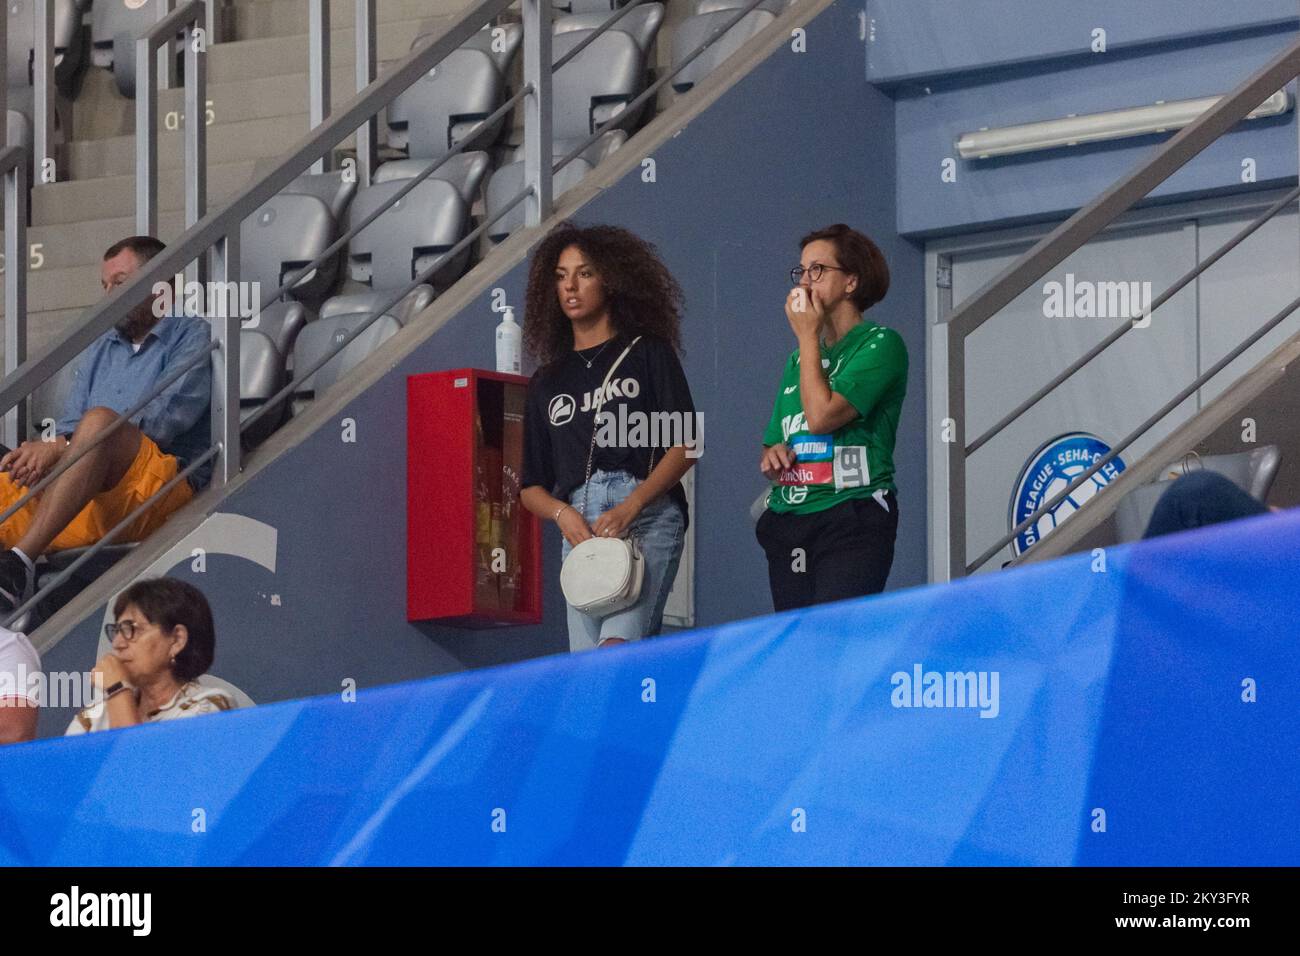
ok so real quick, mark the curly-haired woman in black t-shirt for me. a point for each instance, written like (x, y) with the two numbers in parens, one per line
(591, 293)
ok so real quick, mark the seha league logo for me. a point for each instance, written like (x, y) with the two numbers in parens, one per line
(1047, 473)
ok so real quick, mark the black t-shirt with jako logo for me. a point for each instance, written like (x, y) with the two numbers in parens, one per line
(647, 404)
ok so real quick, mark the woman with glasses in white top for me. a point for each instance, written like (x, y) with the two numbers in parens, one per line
(163, 640)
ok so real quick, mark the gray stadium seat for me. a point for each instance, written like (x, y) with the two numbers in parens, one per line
(261, 375)
(464, 171)
(446, 100)
(606, 145)
(595, 87)
(108, 18)
(366, 303)
(713, 6)
(642, 24)
(507, 182)
(407, 237)
(588, 6)
(287, 233)
(329, 188)
(21, 127)
(281, 322)
(114, 28)
(693, 31)
(501, 47)
(321, 337)
(447, 106)
(1252, 471)
(18, 129)
(69, 50)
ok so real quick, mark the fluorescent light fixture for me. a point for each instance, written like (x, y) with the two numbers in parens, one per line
(1100, 127)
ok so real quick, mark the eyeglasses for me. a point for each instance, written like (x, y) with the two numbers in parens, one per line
(815, 272)
(128, 629)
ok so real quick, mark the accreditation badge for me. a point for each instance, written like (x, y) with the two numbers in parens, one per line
(850, 467)
(813, 461)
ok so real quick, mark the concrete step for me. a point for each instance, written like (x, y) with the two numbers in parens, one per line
(62, 289)
(110, 197)
(236, 101)
(61, 245)
(46, 328)
(228, 142)
(280, 55)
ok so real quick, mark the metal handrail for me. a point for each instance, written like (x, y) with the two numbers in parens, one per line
(1064, 240)
(1138, 432)
(43, 88)
(13, 166)
(1118, 333)
(188, 18)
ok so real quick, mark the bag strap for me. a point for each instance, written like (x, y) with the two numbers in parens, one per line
(595, 424)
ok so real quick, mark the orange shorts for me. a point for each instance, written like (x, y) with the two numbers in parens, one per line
(149, 472)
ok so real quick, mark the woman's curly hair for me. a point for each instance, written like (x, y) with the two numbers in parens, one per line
(643, 297)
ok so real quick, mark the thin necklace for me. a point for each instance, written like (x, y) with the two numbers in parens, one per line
(591, 360)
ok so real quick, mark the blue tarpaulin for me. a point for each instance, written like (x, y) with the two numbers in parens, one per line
(1137, 706)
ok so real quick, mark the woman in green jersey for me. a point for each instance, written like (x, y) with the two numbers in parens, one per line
(832, 515)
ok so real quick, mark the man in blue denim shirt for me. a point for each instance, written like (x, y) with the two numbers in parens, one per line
(137, 460)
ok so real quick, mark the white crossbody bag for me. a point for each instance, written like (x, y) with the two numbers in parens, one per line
(603, 575)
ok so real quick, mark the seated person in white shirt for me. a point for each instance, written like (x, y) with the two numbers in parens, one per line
(19, 703)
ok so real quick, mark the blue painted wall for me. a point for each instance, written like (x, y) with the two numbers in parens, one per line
(733, 194)
(980, 72)
(916, 39)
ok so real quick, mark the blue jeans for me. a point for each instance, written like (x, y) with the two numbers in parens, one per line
(660, 530)
(1197, 499)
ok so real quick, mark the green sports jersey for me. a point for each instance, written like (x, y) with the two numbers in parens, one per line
(868, 366)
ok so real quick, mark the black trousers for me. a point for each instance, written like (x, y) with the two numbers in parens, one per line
(832, 555)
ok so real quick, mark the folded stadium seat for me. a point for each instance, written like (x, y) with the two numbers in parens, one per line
(713, 6)
(446, 101)
(321, 337)
(108, 19)
(448, 104)
(465, 171)
(589, 6)
(595, 87)
(507, 181)
(69, 47)
(606, 145)
(1252, 471)
(642, 24)
(284, 235)
(114, 28)
(366, 303)
(18, 129)
(261, 375)
(330, 188)
(21, 128)
(693, 31)
(409, 235)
